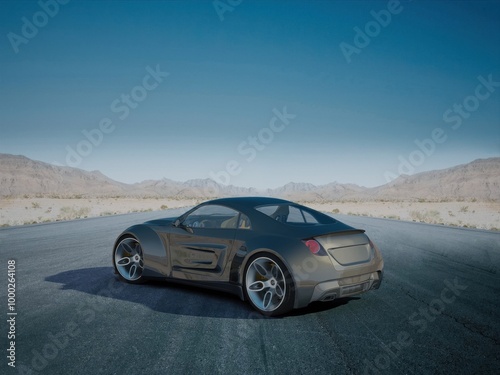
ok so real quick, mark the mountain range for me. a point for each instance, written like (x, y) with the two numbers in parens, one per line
(21, 176)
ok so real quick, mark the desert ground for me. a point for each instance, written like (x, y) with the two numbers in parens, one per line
(22, 211)
(471, 214)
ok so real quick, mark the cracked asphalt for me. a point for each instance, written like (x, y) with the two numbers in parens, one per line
(437, 312)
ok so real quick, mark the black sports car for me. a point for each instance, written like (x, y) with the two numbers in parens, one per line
(276, 254)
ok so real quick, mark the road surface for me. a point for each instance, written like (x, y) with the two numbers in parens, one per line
(437, 312)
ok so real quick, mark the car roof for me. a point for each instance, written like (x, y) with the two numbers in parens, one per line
(248, 202)
(247, 205)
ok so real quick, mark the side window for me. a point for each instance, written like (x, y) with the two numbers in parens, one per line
(275, 212)
(295, 216)
(268, 210)
(212, 216)
(310, 219)
(288, 214)
(244, 222)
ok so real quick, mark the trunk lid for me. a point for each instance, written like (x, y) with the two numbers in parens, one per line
(347, 248)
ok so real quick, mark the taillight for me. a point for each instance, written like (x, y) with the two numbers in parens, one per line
(313, 245)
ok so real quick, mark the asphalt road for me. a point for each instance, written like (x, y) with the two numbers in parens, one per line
(437, 312)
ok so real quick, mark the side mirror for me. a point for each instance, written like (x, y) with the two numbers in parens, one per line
(178, 224)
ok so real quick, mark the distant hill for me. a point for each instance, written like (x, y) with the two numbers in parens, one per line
(196, 188)
(306, 192)
(21, 176)
(479, 179)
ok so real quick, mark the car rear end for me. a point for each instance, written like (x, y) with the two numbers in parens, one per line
(342, 264)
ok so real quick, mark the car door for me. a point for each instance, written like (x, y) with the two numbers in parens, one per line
(202, 243)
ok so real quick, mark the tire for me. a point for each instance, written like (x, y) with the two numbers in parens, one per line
(268, 285)
(128, 260)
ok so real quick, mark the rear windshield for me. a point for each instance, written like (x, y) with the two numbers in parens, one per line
(288, 214)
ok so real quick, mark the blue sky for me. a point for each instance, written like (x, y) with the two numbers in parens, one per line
(352, 116)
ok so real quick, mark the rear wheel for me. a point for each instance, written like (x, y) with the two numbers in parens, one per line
(128, 260)
(268, 285)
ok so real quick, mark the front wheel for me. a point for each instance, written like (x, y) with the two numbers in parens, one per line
(128, 260)
(268, 285)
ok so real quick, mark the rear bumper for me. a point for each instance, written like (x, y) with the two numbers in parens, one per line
(349, 286)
